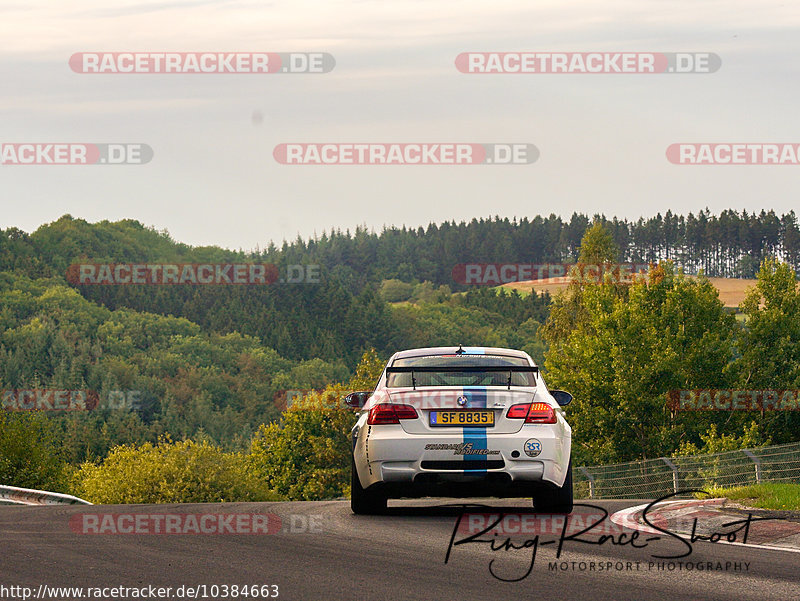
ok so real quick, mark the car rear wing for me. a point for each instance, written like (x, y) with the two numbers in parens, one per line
(511, 369)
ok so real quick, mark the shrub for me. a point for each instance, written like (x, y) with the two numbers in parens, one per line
(714, 442)
(29, 457)
(368, 371)
(171, 472)
(307, 455)
(394, 291)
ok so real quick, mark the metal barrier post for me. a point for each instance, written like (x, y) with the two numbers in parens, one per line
(757, 463)
(674, 469)
(590, 478)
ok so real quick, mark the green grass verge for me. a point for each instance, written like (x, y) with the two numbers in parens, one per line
(764, 496)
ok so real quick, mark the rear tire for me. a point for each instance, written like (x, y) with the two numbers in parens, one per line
(364, 502)
(554, 499)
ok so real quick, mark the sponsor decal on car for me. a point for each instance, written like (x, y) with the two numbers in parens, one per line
(463, 448)
(532, 447)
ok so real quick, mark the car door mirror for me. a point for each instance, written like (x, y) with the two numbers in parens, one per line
(356, 400)
(562, 397)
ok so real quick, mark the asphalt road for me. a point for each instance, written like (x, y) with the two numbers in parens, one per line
(323, 552)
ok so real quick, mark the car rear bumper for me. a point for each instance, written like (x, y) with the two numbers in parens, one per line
(406, 465)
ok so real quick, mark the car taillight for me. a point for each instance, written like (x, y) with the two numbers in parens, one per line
(388, 413)
(541, 413)
(533, 413)
(405, 411)
(519, 411)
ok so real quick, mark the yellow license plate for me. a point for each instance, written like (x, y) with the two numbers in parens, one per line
(462, 418)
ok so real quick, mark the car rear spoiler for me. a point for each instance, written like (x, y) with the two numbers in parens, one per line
(462, 369)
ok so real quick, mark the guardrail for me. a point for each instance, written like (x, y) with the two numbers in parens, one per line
(657, 477)
(29, 496)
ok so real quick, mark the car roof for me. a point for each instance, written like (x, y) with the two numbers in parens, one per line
(450, 350)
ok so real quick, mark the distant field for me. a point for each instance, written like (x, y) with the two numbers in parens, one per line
(731, 291)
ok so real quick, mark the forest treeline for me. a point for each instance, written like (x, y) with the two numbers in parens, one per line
(730, 244)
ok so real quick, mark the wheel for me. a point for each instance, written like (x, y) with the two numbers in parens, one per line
(364, 502)
(554, 499)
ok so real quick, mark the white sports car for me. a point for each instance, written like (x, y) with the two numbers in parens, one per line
(461, 422)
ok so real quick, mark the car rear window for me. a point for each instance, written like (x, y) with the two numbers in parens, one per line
(460, 379)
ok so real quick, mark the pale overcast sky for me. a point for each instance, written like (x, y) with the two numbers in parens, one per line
(213, 179)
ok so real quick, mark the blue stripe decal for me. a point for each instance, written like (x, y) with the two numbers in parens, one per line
(476, 399)
(475, 350)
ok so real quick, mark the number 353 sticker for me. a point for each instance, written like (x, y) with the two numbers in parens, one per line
(532, 447)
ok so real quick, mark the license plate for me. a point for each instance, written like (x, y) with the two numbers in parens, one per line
(462, 418)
